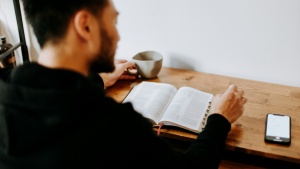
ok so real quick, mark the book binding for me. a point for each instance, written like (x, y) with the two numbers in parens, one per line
(206, 116)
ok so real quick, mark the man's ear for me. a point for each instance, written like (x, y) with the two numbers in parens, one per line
(87, 29)
(82, 24)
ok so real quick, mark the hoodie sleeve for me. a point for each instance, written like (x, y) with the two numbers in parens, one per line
(96, 79)
(209, 146)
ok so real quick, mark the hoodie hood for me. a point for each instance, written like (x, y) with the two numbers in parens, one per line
(28, 97)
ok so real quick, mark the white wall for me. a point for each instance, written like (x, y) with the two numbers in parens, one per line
(252, 39)
(8, 26)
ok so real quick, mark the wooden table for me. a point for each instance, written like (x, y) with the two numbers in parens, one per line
(247, 133)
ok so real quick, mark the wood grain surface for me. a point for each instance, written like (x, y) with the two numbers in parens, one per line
(247, 133)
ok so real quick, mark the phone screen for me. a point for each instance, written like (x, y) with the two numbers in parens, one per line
(278, 128)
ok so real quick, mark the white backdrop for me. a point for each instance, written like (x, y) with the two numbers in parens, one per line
(252, 39)
(8, 26)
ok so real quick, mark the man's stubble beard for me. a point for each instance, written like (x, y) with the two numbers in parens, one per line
(104, 61)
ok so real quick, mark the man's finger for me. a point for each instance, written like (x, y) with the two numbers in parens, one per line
(117, 61)
(244, 100)
(239, 93)
(128, 65)
(230, 92)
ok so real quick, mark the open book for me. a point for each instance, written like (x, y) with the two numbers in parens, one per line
(164, 104)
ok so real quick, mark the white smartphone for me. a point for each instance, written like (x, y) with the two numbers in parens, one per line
(278, 128)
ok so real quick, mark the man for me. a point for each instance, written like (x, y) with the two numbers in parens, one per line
(53, 116)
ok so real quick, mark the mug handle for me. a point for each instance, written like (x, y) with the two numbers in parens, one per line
(132, 71)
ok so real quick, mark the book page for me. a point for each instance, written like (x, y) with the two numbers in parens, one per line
(151, 99)
(187, 109)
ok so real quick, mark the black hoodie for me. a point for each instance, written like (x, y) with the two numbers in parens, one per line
(56, 118)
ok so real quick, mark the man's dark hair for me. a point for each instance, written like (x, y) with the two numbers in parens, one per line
(50, 18)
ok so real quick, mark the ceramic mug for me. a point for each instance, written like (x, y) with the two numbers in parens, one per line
(148, 63)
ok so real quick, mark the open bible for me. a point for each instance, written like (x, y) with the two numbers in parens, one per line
(164, 104)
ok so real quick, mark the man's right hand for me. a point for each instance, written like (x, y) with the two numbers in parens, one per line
(230, 104)
(119, 73)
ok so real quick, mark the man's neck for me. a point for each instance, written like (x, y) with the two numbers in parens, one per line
(63, 58)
